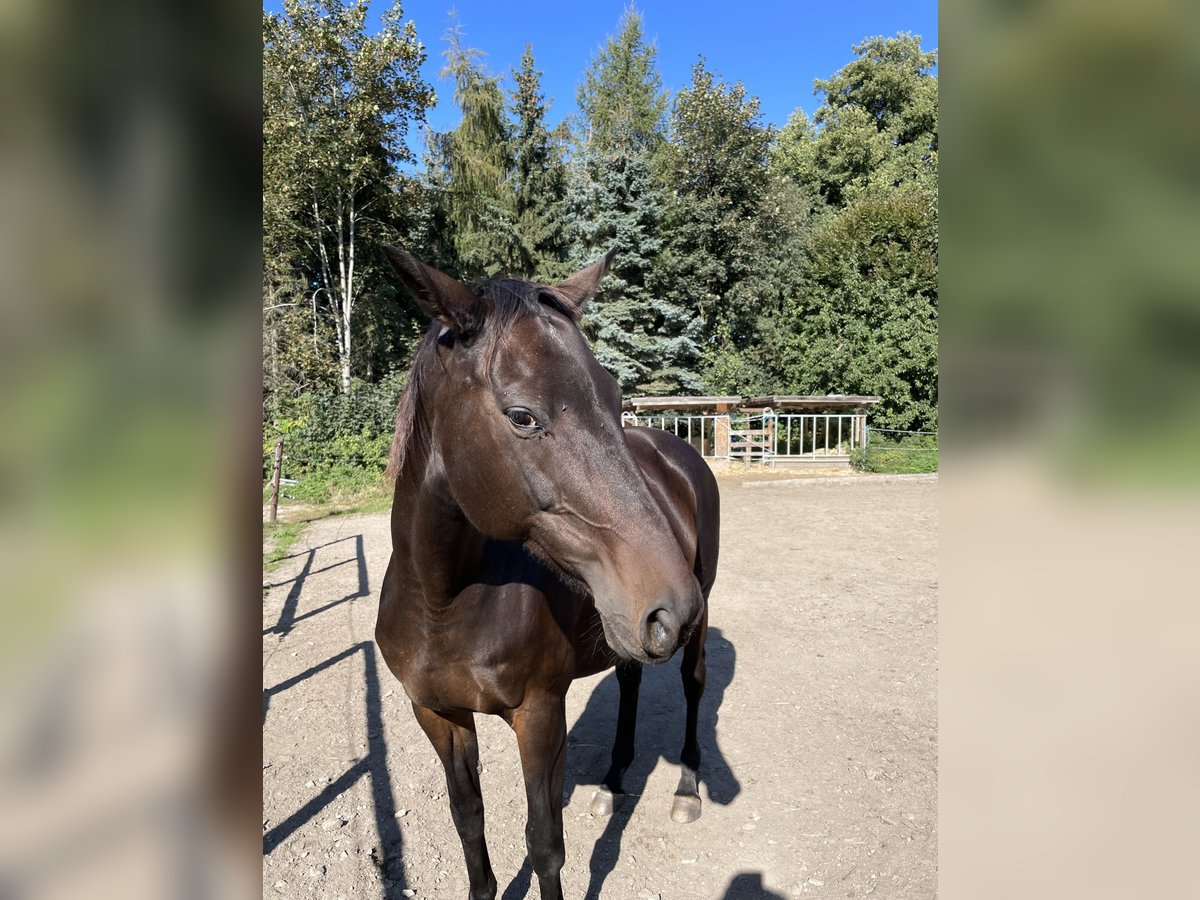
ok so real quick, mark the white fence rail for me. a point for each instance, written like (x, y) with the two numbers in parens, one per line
(698, 430)
(762, 434)
(817, 435)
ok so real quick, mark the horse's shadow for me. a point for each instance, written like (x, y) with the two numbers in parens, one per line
(659, 736)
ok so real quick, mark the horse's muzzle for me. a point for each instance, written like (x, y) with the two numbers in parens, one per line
(655, 639)
(660, 634)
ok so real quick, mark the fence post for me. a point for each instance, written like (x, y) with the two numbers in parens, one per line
(275, 479)
(721, 441)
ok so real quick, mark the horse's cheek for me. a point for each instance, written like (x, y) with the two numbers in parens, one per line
(498, 506)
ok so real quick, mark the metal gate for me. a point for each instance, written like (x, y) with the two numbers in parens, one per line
(752, 435)
(762, 434)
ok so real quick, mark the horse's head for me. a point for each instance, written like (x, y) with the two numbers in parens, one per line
(525, 434)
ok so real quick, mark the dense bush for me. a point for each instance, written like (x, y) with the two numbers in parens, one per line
(334, 443)
(910, 453)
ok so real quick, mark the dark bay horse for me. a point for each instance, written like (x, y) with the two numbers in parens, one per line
(535, 541)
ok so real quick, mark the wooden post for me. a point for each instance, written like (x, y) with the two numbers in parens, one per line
(721, 434)
(275, 479)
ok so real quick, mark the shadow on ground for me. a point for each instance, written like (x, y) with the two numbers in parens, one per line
(287, 616)
(659, 736)
(749, 886)
(374, 764)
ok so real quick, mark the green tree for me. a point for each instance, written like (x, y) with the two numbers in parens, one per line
(719, 258)
(775, 250)
(539, 180)
(431, 237)
(865, 319)
(878, 126)
(862, 317)
(622, 98)
(476, 160)
(648, 343)
(298, 350)
(793, 156)
(647, 340)
(337, 104)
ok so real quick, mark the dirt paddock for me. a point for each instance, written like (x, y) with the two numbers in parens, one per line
(818, 727)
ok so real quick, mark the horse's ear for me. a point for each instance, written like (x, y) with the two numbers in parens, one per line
(581, 286)
(442, 297)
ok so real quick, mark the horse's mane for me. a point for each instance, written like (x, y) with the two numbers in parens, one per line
(501, 301)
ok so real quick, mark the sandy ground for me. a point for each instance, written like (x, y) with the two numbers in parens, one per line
(818, 728)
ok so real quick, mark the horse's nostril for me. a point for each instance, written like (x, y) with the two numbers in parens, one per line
(658, 634)
(661, 634)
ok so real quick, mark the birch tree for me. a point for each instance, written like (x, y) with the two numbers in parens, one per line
(337, 106)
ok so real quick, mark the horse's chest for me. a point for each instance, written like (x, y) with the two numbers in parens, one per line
(446, 680)
(484, 657)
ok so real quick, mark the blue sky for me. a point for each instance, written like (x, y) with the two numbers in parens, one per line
(776, 49)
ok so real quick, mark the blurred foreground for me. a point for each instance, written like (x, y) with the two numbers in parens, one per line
(1070, 402)
(128, 342)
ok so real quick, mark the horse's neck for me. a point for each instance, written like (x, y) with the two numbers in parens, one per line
(434, 536)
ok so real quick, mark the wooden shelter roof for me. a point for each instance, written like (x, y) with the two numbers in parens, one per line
(637, 404)
(811, 401)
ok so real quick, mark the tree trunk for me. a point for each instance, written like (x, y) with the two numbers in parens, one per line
(338, 291)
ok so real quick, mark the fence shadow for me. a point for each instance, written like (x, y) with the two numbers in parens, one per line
(659, 736)
(373, 765)
(288, 617)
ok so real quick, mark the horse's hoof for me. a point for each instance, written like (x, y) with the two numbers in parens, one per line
(685, 809)
(605, 801)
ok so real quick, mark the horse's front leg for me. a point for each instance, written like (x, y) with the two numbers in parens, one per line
(541, 727)
(686, 806)
(604, 801)
(453, 738)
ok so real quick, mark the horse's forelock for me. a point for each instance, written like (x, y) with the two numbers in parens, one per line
(509, 298)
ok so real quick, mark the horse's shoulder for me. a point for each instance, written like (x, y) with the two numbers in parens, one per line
(662, 455)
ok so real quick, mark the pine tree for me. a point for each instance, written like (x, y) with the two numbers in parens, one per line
(476, 159)
(646, 341)
(649, 342)
(539, 180)
(622, 98)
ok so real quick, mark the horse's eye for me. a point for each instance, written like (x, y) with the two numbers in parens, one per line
(522, 418)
